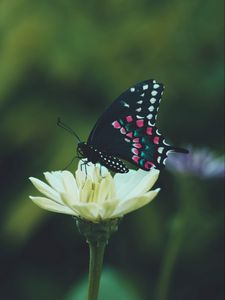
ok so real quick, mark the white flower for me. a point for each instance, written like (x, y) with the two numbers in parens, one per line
(93, 194)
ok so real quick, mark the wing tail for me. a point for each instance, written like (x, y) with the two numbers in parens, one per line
(179, 150)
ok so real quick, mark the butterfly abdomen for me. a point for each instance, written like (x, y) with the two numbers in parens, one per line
(112, 163)
(95, 155)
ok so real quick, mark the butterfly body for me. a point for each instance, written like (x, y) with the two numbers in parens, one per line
(96, 156)
(127, 130)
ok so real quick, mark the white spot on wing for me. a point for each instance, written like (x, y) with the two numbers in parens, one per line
(132, 89)
(151, 124)
(149, 116)
(145, 87)
(160, 150)
(125, 104)
(138, 109)
(156, 86)
(164, 161)
(154, 93)
(139, 117)
(151, 108)
(169, 151)
(159, 159)
(165, 143)
(157, 131)
(140, 102)
(153, 100)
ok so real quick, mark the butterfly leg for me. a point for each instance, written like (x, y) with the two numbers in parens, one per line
(84, 164)
(81, 165)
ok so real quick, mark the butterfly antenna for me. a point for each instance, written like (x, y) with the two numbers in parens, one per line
(70, 163)
(67, 128)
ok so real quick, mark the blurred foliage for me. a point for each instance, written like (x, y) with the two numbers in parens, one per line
(71, 59)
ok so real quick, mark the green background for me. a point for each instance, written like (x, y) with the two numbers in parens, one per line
(72, 59)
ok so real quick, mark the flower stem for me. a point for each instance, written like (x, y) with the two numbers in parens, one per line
(181, 231)
(95, 267)
(97, 236)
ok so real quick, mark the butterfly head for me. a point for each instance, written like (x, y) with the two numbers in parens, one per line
(82, 150)
(87, 151)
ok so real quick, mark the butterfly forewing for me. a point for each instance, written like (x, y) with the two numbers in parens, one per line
(127, 129)
(142, 99)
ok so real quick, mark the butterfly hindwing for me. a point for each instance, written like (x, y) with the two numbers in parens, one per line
(147, 147)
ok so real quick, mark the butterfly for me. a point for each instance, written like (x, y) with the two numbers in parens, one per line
(127, 130)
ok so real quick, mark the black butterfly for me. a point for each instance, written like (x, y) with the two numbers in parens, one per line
(126, 130)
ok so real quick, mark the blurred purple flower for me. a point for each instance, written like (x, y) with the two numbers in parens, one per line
(200, 162)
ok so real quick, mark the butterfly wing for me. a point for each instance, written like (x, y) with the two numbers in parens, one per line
(127, 128)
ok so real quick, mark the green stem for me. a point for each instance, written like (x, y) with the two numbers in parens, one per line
(168, 263)
(188, 201)
(95, 267)
(97, 236)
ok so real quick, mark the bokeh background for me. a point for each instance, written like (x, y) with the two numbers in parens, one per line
(72, 59)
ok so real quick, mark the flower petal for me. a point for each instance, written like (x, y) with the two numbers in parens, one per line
(105, 190)
(70, 186)
(135, 203)
(95, 197)
(80, 176)
(145, 184)
(88, 211)
(46, 189)
(90, 171)
(50, 205)
(55, 180)
(125, 182)
(94, 172)
(108, 208)
(103, 170)
(135, 183)
(86, 192)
